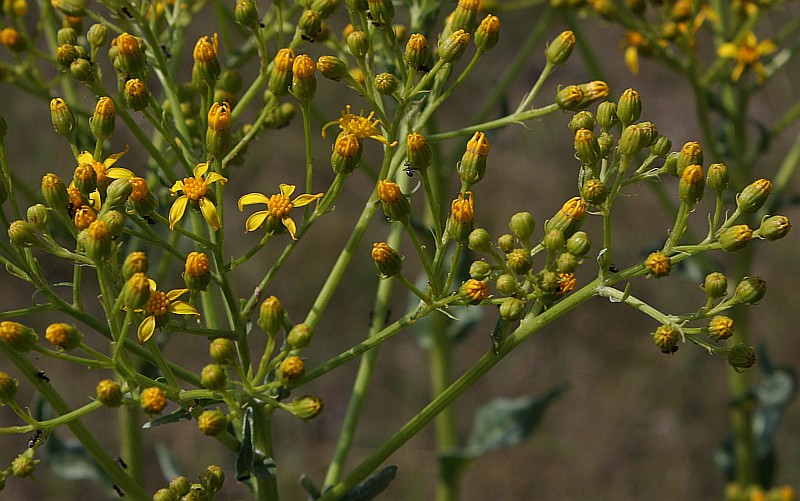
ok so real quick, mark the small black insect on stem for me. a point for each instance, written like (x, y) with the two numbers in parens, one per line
(122, 463)
(41, 375)
(127, 12)
(35, 438)
(119, 491)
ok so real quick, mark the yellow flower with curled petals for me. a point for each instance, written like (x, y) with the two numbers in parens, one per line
(276, 217)
(104, 170)
(747, 54)
(360, 126)
(159, 306)
(195, 191)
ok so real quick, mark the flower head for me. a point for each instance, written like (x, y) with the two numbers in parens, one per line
(360, 126)
(747, 53)
(104, 171)
(279, 205)
(195, 190)
(157, 308)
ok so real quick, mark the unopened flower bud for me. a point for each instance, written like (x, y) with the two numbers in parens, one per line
(473, 163)
(582, 120)
(38, 216)
(164, 494)
(206, 60)
(418, 151)
(507, 283)
(332, 67)
(212, 422)
(717, 178)
(671, 163)
(137, 97)
(521, 224)
(63, 335)
(325, 7)
(24, 465)
(109, 393)
(131, 55)
(749, 291)
(488, 33)
(67, 36)
(774, 227)
(692, 185)
(464, 16)
(606, 142)
(567, 262)
(153, 400)
(690, 154)
(587, 149)
(561, 48)
(579, 244)
(741, 356)
(98, 241)
(310, 25)
(666, 337)
(291, 369)
(453, 48)
(658, 264)
(720, 327)
(629, 108)
(142, 199)
(607, 115)
(387, 260)
(62, 117)
(632, 140)
(70, 8)
(381, 11)
(548, 282)
(102, 121)
(81, 70)
(480, 270)
(8, 388)
(23, 234)
(519, 261)
(97, 36)
(511, 309)
(180, 486)
(281, 77)
(136, 291)
(395, 205)
(270, 317)
(475, 290)
(385, 84)
(569, 98)
(506, 243)
(569, 218)
(358, 43)
(417, 51)
(299, 336)
(281, 116)
(306, 407)
(593, 92)
(218, 134)
(735, 238)
(304, 83)
(84, 217)
(13, 39)
(222, 351)
(553, 241)
(462, 215)
(197, 272)
(594, 192)
(213, 377)
(753, 196)
(65, 54)
(135, 262)
(246, 14)
(715, 285)
(480, 240)
(347, 153)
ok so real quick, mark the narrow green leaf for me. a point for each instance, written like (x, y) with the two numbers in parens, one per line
(246, 456)
(311, 488)
(372, 486)
(173, 417)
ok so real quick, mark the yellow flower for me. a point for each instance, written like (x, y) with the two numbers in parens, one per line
(747, 54)
(360, 126)
(157, 308)
(104, 170)
(278, 208)
(634, 42)
(194, 190)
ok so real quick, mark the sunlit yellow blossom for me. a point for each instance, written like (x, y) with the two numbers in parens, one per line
(360, 126)
(747, 54)
(104, 170)
(634, 42)
(194, 190)
(157, 308)
(278, 208)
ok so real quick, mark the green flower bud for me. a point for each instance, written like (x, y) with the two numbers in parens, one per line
(594, 192)
(474, 290)
(462, 218)
(661, 146)
(553, 241)
(418, 151)
(97, 36)
(164, 495)
(23, 234)
(480, 270)
(291, 369)
(658, 264)
(666, 338)
(569, 218)
(741, 356)
(85, 178)
(480, 240)
(246, 14)
(735, 238)
(222, 351)
(304, 83)
(180, 486)
(102, 121)
(774, 227)
(579, 244)
(671, 163)
(212, 479)
(587, 149)
(114, 221)
(629, 108)
(650, 133)
(717, 178)
(62, 117)
(38, 216)
(206, 60)
(453, 48)
(64, 336)
(753, 196)
(582, 120)
(690, 154)
(473, 163)
(488, 33)
(561, 48)
(306, 407)
(218, 133)
(299, 336)
(332, 67)
(387, 260)
(567, 262)
(692, 185)
(117, 193)
(8, 388)
(548, 282)
(519, 261)
(136, 291)
(358, 43)
(137, 97)
(197, 272)
(385, 84)
(24, 465)
(325, 7)
(593, 92)
(212, 422)
(72, 8)
(506, 242)
(109, 393)
(715, 285)
(381, 11)
(417, 52)
(98, 241)
(464, 16)
(347, 153)
(607, 115)
(196, 493)
(606, 142)
(270, 316)
(310, 25)
(522, 225)
(749, 291)
(65, 54)
(281, 77)
(135, 262)
(511, 309)
(569, 98)
(507, 284)
(67, 36)
(395, 205)
(633, 139)
(720, 327)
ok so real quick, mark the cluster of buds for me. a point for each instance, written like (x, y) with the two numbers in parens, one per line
(210, 481)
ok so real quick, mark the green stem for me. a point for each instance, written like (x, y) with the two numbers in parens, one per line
(440, 361)
(267, 488)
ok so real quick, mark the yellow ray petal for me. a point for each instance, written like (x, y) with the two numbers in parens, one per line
(209, 212)
(119, 173)
(85, 158)
(146, 329)
(176, 293)
(183, 308)
(289, 223)
(200, 169)
(252, 198)
(255, 221)
(178, 186)
(305, 199)
(213, 177)
(287, 189)
(177, 210)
